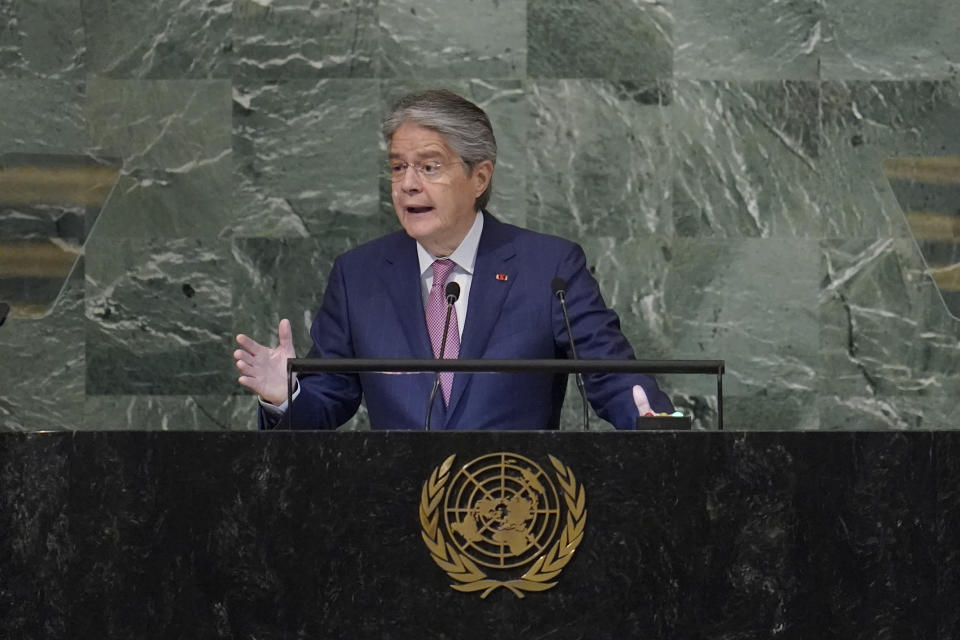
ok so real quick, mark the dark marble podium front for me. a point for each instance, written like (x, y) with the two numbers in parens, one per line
(316, 535)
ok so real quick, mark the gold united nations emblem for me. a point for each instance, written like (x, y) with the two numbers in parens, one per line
(502, 512)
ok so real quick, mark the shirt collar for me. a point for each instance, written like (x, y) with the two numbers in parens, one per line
(464, 256)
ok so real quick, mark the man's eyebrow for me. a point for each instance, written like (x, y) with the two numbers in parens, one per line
(420, 155)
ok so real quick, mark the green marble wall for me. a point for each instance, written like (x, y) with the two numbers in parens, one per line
(722, 163)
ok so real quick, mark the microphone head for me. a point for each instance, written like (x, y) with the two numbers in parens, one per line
(453, 292)
(559, 286)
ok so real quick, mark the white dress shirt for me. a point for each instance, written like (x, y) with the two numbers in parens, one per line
(464, 257)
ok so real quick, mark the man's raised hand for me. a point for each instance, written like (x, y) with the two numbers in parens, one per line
(264, 370)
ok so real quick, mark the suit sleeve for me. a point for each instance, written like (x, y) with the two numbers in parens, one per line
(597, 334)
(326, 400)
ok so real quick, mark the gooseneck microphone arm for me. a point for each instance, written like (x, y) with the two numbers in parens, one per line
(559, 286)
(452, 293)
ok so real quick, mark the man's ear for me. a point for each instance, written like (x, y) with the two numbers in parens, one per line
(482, 174)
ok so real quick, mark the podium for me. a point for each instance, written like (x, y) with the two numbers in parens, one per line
(319, 535)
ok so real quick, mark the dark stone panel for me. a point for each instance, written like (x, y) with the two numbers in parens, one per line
(691, 535)
(940, 194)
(452, 39)
(798, 408)
(888, 346)
(891, 41)
(798, 526)
(747, 39)
(935, 408)
(43, 116)
(159, 316)
(867, 537)
(128, 507)
(46, 210)
(616, 40)
(306, 158)
(866, 123)
(43, 367)
(947, 465)
(161, 39)
(929, 193)
(36, 542)
(747, 159)
(170, 412)
(586, 181)
(41, 39)
(174, 139)
(723, 300)
(293, 39)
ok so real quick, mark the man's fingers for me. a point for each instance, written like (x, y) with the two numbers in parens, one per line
(285, 335)
(254, 384)
(251, 345)
(640, 399)
(263, 369)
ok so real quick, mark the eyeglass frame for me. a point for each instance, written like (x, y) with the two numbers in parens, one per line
(403, 167)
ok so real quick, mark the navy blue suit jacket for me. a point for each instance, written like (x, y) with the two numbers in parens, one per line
(372, 308)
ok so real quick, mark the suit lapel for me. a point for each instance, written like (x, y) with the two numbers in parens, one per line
(400, 274)
(401, 277)
(493, 275)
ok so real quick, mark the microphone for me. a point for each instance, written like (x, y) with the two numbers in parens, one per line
(559, 287)
(4, 310)
(452, 293)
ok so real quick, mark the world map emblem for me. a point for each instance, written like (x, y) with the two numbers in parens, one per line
(501, 520)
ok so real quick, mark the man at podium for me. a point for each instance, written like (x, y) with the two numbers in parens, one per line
(389, 299)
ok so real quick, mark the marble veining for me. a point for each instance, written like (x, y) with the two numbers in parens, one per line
(725, 165)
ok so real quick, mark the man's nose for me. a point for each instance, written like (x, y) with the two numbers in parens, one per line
(411, 179)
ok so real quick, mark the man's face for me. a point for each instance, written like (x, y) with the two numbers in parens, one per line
(436, 212)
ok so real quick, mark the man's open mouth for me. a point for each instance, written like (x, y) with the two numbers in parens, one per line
(419, 209)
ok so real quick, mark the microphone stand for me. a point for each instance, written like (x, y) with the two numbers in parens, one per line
(559, 286)
(452, 293)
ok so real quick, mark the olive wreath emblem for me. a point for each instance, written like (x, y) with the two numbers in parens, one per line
(468, 576)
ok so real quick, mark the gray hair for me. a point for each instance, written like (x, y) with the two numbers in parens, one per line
(465, 126)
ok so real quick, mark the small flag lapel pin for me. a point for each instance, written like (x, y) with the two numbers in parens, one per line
(502, 277)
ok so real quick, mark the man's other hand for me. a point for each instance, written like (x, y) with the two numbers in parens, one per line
(640, 399)
(264, 370)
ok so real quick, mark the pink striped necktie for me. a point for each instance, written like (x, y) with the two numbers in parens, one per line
(436, 316)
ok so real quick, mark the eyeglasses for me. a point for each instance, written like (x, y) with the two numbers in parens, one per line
(428, 170)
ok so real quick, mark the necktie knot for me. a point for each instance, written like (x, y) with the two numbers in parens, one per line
(441, 271)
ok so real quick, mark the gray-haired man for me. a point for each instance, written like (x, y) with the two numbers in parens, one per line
(382, 300)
